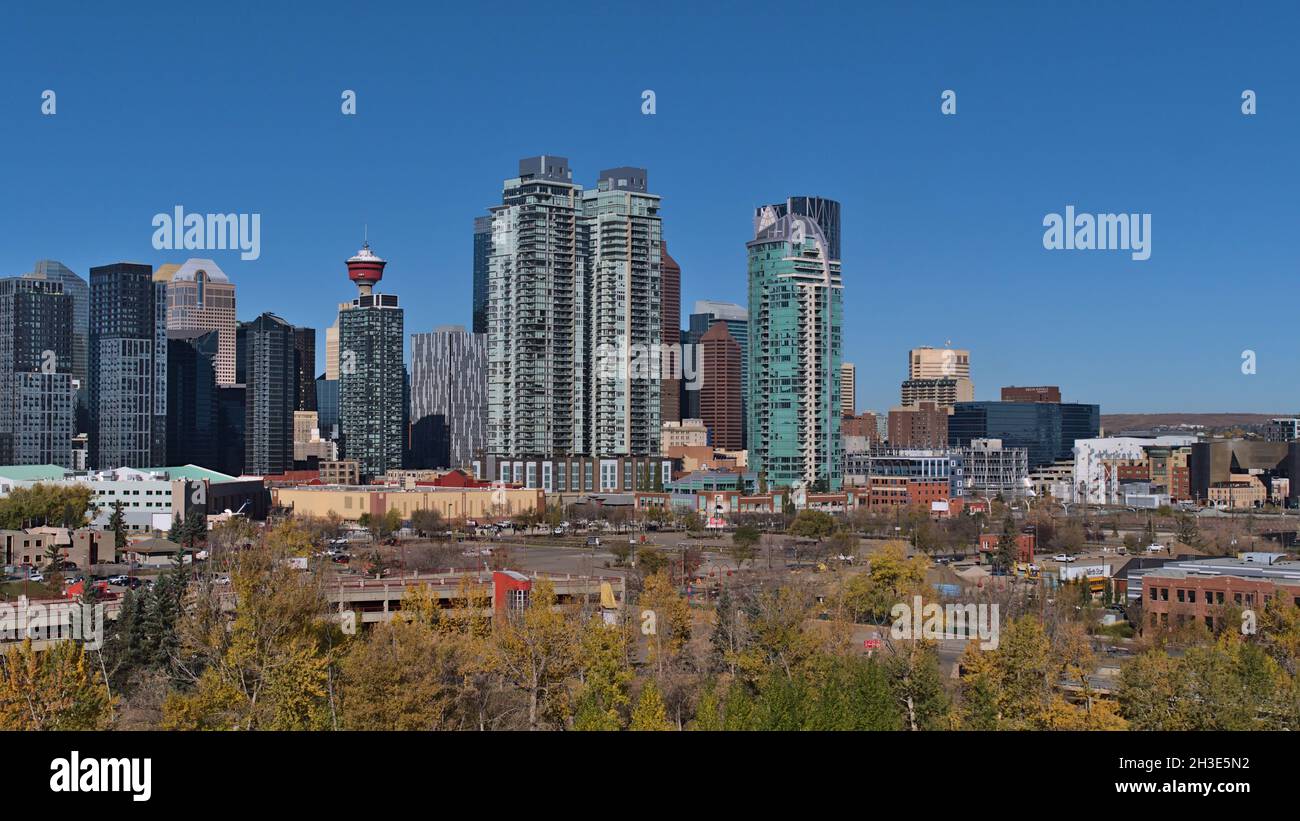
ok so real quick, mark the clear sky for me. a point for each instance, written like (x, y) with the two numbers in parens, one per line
(1110, 107)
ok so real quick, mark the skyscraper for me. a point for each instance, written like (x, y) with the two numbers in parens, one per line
(939, 375)
(449, 379)
(332, 347)
(670, 406)
(720, 397)
(372, 376)
(269, 395)
(537, 314)
(304, 369)
(482, 252)
(201, 297)
(848, 390)
(625, 264)
(706, 313)
(36, 381)
(192, 401)
(796, 314)
(79, 290)
(127, 367)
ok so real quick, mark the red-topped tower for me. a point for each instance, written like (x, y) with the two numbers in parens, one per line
(366, 269)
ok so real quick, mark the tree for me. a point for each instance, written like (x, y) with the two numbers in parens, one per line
(268, 666)
(606, 675)
(844, 543)
(536, 650)
(650, 561)
(52, 689)
(917, 685)
(650, 713)
(743, 542)
(426, 521)
(672, 619)
(400, 675)
(1008, 551)
(45, 504)
(812, 524)
(117, 524)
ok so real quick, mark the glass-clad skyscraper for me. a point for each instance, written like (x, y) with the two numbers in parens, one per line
(795, 346)
(1047, 429)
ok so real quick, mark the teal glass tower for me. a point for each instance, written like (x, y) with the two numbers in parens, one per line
(796, 313)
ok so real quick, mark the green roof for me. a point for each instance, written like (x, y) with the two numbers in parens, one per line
(33, 473)
(195, 472)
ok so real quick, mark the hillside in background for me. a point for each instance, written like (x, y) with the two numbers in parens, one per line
(1113, 423)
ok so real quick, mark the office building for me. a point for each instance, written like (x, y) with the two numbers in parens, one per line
(449, 379)
(939, 375)
(193, 358)
(373, 395)
(848, 390)
(796, 316)
(310, 447)
(924, 425)
(79, 290)
(269, 395)
(482, 252)
(127, 366)
(37, 387)
(1282, 430)
(934, 363)
(991, 467)
(200, 297)
(231, 400)
(332, 348)
(686, 433)
(1047, 430)
(327, 406)
(720, 397)
(304, 369)
(862, 432)
(670, 389)
(706, 313)
(943, 392)
(1036, 393)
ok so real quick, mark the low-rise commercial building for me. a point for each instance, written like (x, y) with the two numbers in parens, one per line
(352, 502)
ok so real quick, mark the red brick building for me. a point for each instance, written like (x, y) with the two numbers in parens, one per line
(721, 405)
(923, 426)
(864, 424)
(670, 310)
(1037, 393)
(1025, 544)
(1172, 597)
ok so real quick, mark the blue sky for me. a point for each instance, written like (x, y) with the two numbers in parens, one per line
(1110, 107)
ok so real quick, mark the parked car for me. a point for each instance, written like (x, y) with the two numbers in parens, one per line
(121, 581)
(1062, 557)
(36, 576)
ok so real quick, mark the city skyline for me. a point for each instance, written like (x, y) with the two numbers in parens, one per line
(926, 200)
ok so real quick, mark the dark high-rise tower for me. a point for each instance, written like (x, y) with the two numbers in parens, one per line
(269, 395)
(192, 421)
(482, 251)
(304, 368)
(372, 376)
(127, 367)
(37, 356)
